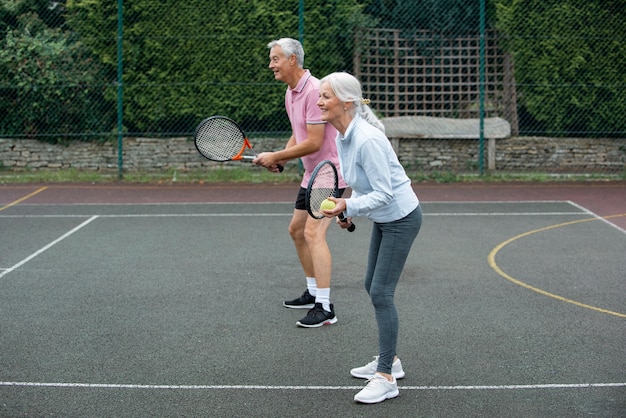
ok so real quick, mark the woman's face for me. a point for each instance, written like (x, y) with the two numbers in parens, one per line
(332, 108)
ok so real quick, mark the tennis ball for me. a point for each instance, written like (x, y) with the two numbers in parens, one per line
(327, 205)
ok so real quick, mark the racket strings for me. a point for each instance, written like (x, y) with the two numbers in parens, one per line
(219, 139)
(323, 187)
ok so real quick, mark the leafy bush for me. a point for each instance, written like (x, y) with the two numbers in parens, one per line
(49, 84)
(569, 58)
(189, 60)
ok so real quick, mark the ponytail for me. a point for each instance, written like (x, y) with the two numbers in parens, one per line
(365, 111)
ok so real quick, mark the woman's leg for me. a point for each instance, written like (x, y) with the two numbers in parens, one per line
(395, 241)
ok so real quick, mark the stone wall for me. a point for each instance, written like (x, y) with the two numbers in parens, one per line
(517, 154)
(139, 154)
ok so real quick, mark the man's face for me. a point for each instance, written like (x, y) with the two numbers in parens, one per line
(280, 65)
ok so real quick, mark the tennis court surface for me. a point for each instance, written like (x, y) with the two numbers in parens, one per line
(166, 300)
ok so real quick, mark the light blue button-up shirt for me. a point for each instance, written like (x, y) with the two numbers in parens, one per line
(381, 190)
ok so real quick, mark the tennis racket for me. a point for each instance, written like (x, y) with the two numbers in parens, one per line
(324, 183)
(219, 138)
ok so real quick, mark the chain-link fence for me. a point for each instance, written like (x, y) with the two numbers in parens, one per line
(504, 85)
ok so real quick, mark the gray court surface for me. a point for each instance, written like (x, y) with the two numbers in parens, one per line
(511, 309)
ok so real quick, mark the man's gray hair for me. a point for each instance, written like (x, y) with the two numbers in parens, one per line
(290, 47)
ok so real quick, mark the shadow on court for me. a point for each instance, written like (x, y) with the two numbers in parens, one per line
(167, 301)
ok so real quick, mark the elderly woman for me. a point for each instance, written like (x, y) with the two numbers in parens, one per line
(382, 191)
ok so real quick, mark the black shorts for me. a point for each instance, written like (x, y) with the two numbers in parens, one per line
(302, 195)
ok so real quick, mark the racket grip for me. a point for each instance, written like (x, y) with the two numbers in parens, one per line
(342, 218)
(280, 167)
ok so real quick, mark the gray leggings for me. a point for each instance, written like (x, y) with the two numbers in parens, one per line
(389, 247)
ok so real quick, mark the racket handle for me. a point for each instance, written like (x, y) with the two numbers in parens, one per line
(342, 218)
(250, 158)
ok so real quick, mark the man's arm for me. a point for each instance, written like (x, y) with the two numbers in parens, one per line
(313, 143)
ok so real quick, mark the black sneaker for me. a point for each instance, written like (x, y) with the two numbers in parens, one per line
(318, 317)
(306, 301)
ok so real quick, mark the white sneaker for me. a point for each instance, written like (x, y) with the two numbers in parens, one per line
(367, 371)
(377, 390)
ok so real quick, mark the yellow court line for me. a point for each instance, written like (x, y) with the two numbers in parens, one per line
(492, 262)
(23, 198)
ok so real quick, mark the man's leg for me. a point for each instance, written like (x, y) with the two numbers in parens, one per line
(315, 237)
(297, 232)
(321, 259)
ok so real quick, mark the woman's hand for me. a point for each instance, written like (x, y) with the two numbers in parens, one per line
(340, 206)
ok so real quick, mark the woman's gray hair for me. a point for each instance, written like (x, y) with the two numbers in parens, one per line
(348, 89)
(290, 47)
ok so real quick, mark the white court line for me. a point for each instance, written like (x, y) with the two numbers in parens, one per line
(211, 215)
(600, 218)
(582, 212)
(56, 241)
(285, 202)
(506, 214)
(269, 387)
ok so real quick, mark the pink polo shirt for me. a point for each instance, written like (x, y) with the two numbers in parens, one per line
(301, 106)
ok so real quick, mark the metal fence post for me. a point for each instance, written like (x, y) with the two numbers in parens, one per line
(120, 89)
(481, 153)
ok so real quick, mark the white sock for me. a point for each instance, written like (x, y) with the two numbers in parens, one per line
(323, 297)
(311, 285)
